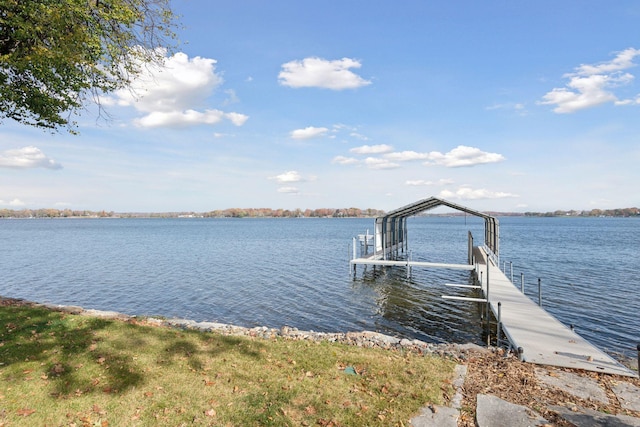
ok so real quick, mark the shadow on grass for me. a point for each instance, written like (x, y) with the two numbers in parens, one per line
(64, 350)
(211, 347)
(68, 350)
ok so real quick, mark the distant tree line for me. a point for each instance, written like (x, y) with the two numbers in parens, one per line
(626, 212)
(226, 213)
(295, 213)
(53, 213)
(285, 213)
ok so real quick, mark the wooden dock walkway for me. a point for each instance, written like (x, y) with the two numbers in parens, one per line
(544, 340)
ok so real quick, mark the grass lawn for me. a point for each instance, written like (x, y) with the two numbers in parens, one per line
(62, 369)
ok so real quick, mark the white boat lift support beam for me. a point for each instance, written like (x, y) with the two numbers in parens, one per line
(408, 263)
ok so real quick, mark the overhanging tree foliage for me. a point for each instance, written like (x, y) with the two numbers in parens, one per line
(57, 54)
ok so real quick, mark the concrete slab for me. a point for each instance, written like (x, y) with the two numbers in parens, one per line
(436, 416)
(582, 387)
(492, 411)
(584, 417)
(628, 395)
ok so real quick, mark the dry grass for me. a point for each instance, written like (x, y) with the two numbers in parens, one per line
(62, 369)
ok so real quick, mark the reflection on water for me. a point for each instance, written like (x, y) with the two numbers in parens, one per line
(411, 303)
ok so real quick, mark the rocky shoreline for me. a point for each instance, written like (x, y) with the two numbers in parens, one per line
(367, 339)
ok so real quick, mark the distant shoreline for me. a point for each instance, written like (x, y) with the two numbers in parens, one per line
(297, 213)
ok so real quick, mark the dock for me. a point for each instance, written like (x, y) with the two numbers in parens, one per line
(530, 331)
(544, 340)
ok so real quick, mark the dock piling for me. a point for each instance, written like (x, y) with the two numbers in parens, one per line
(638, 348)
(521, 282)
(539, 292)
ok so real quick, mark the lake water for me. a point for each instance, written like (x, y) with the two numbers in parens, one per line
(295, 272)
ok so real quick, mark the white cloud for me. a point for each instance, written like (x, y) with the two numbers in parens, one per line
(308, 132)
(372, 149)
(176, 93)
(466, 193)
(421, 182)
(236, 118)
(27, 158)
(405, 156)
(377, 163)
(418, 182)
(462, 156)
(623, 61)
(458, 157)
(518, 108)
(342, 160)
(318, 72)
(288, 190)
(591, 85)
(232, 97)
(12, 203)
(286, 177)
(188, 118)
(358, 136)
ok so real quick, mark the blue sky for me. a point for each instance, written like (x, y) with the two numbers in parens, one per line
(495, 105)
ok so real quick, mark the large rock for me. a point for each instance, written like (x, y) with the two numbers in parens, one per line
(628, 395)
(582, 387)
(491, 411)
(436, 416)
(584, 417)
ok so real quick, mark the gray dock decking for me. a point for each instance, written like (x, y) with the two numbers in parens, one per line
(543, 338)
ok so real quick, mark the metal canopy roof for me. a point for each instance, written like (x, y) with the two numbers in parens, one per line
(490, 222)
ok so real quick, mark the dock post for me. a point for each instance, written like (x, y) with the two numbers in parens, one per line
(638, 348)
(488, 307)
(539, 292)
(522, 282)
(521, 354)
(498, 331)
(354, 257)
(511, 266)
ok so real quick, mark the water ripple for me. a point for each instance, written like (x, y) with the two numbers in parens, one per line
(295, 272)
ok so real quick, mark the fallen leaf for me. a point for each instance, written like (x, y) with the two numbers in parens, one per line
(25, 412)
(210, 412)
